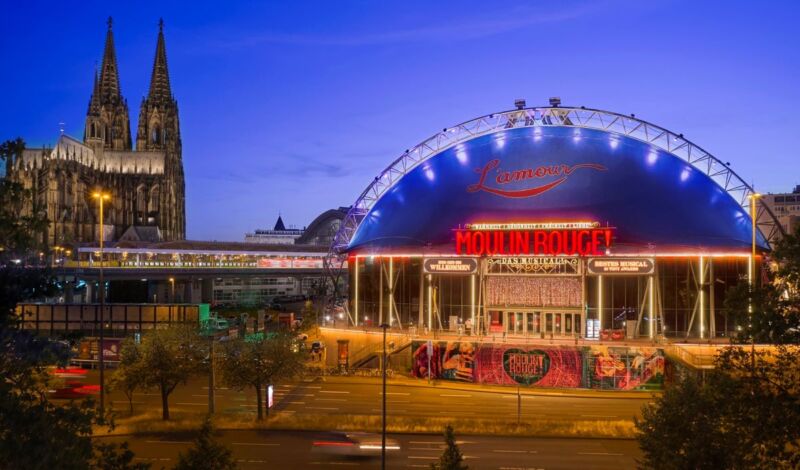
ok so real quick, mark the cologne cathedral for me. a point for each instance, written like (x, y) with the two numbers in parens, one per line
(145, 184)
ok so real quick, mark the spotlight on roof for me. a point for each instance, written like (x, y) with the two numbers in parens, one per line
(519, 103)
(555, 101)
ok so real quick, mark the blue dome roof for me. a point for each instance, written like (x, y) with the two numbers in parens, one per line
(537, 174)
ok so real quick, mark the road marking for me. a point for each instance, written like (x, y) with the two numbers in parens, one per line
(193, 404)
(598, 453)
(455, 395)
(502, 451)
(297, 403)
(270, 444)
(168, 442)
(330, 399)
(332, 391)
(336, 463)
(317, 387)
(320, 408)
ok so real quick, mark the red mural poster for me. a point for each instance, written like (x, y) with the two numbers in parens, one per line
(599, 367)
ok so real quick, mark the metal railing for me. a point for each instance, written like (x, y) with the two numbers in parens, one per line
(575, 117)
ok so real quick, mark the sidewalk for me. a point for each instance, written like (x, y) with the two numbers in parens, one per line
(499, 389)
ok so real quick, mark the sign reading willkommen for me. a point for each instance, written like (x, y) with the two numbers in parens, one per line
(450, 266)
(620, 266)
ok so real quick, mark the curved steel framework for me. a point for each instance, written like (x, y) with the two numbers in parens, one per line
(628, 126)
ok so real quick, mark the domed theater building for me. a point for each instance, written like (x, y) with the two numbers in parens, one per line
(553, 222)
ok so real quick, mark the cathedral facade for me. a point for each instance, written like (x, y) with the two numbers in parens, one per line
(146, 183)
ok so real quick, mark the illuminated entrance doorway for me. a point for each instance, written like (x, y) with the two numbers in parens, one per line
(539, 322)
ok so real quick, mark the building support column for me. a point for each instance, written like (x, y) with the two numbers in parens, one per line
(472, 302)
(712, 314)
(355, 293)
(421, 317)
(600, 307)
(380, 291)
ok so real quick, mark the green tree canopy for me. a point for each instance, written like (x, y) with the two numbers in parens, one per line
(166, 358)
(129, 375)
(206, 454)
(451, 458)
(260, 363)
(737, 417)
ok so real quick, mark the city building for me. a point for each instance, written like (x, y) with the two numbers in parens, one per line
(553, 222)
(785, 206)
(146, 183)
(279, 235)
(319, 232)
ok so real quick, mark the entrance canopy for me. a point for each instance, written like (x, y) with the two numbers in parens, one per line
(558, 171)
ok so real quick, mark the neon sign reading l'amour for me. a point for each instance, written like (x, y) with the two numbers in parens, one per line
(571, 242)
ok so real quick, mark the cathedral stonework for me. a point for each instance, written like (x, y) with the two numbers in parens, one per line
(146, 184)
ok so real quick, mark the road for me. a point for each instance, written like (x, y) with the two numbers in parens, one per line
(293, 449)
(362, 396)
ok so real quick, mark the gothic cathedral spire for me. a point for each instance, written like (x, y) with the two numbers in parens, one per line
(159, 127)
(107, 120)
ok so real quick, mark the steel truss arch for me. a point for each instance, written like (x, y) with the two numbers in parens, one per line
(577, 117)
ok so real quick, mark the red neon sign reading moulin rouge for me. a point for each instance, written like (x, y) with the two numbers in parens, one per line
(536, 241)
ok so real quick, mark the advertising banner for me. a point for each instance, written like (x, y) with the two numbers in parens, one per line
(597, 367)
(274, 263)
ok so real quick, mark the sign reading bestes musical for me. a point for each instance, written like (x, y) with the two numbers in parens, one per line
(545, 241)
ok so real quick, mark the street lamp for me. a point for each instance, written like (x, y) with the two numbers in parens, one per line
(384, 326)
(101, 196)
(753, 199)
(172, 289)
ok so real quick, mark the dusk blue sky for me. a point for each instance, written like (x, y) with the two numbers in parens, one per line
(294, 107)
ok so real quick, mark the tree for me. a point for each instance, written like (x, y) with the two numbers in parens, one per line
(765, 314)
(130, 374)
(738, 416)
(260, 363)
(787, 257)
(769, 312)
(451, 458)
(35, 433)
(116, 457)
(207, 454)
(20, 240)
(170, 357)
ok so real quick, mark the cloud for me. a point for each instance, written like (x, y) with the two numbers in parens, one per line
(447, 30)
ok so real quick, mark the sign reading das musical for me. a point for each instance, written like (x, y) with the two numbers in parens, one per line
(572, 242)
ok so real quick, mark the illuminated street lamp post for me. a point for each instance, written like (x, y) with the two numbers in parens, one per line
(100, 196)
(172, 290)
(751, 278)
(384, 326)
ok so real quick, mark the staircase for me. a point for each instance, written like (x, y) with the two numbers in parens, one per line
(374, 351)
